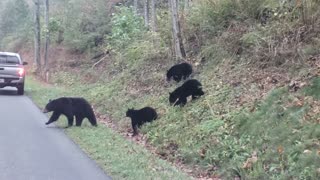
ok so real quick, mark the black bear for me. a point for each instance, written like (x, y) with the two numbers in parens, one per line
(70, 107)
(191, 87)
(179, 71)
(139, 117)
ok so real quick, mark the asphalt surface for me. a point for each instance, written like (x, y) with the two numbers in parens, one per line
(29, 150)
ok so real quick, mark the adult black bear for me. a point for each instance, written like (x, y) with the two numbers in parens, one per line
(179, 71)
(191, 87)
(70, 107)
(139, 117)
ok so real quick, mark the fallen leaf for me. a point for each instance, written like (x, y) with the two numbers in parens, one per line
(250, 161)
(280, 149)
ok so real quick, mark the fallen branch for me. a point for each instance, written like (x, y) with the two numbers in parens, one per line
(103, 58)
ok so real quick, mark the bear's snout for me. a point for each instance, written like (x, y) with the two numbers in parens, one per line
(45, 110)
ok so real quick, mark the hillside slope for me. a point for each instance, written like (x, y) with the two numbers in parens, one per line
(268, 116)
(259, 118)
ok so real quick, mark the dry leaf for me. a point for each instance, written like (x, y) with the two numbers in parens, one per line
(250, 161)
(280, 149)
(203, 153)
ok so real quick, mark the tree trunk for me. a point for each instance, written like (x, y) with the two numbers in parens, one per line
(176, 31)
(135, 6)
(37, 60)
(46, 14)
(146, 13)
(60, 36)
(153, 16)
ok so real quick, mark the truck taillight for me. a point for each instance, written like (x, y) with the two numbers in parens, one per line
(21, 72)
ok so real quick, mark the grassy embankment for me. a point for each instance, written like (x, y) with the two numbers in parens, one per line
(218, 133)
(120, 158)
(250, 123)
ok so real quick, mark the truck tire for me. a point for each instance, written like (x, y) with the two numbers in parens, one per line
(20, 89)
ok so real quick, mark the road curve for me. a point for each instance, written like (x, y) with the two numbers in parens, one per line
(31, 151)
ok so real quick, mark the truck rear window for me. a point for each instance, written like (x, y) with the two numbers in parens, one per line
(4, 59)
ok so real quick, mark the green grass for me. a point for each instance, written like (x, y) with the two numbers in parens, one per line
(285, 139)
(216, 134)
(280, 133)
(219, 132)
(120, 158)
(313, 89)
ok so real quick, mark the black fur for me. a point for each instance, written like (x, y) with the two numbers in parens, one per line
(189, 88)
(139, 117)
(179, 71)
(70, 107)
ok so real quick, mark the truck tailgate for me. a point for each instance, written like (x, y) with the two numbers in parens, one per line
(9, 71)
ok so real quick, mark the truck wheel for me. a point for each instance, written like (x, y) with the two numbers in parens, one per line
(21, 89)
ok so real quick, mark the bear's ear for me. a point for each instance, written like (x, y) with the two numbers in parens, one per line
(50, 100)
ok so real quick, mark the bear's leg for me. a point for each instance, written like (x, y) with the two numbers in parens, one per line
(55, 116)
(79, 120)
(178, 102)
(177, 78)
(141, 123)
(182, 101)
(70, 120)
(134, 127)
(194, 96)
(185, 77)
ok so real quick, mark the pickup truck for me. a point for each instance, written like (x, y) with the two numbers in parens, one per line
(12, 71)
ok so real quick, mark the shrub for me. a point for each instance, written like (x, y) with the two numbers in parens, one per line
(85, 25)
(126, 28)
(15, 24)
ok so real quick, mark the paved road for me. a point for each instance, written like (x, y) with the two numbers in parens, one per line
(31, 151)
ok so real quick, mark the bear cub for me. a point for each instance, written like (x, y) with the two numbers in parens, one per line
(189, 88)
(70, 107)
(179, 71)
(139, 117)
